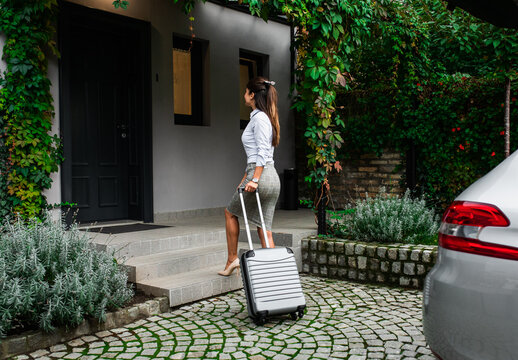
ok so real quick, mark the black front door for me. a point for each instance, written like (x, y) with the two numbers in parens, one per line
(105, 120)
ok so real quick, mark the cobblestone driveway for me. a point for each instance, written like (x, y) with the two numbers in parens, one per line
(343, 321)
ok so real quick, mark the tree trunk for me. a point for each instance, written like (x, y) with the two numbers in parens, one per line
(507, 116)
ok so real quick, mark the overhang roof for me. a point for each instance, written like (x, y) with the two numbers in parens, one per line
(502, 13)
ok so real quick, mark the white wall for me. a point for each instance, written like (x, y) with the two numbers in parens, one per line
(198, 167)
(54, 193)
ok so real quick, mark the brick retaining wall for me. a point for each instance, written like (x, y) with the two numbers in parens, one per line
(360, 174)
(393, 264)
(366, 174)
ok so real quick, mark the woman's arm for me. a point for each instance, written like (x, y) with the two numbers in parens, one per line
(243, 179)
(252, 185)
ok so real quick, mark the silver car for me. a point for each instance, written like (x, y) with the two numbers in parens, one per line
(470, 298)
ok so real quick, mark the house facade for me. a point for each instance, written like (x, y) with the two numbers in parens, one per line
(151, 118)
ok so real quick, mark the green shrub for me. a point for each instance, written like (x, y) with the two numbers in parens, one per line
(387, 219)
(51, 275)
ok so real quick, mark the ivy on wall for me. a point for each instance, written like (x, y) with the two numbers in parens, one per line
(339, 45)
(30, 154)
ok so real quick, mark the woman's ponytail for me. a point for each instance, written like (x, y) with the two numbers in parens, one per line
(266, 100)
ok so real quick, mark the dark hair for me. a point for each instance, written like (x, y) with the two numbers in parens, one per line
(266, 100)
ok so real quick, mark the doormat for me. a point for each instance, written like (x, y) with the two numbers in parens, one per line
(120, 229)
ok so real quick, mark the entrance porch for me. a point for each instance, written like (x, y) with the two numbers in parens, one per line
(181, 260)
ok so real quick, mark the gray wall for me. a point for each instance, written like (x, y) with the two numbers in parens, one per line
(198, 167)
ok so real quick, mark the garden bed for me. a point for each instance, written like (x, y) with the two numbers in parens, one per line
(392, 264)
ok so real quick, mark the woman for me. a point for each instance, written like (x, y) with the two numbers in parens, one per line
(259, 139)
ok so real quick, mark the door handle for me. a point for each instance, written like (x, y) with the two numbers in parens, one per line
(122, 128)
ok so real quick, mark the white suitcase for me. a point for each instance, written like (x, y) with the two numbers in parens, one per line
(270, 278)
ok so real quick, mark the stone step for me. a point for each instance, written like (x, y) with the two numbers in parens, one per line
(196, 285)
(280, 238)
(175, 262)
(132, 245)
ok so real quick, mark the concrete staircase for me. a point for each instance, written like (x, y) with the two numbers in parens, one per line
(185, 274)
(182, 262)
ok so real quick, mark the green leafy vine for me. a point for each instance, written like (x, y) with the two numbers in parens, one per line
(30, 152)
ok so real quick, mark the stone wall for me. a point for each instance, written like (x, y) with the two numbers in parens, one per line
(391, 264)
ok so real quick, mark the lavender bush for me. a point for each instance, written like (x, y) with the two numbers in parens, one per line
(388, 219)
(51, 275)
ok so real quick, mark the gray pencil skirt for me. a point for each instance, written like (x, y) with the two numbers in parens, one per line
(269, 187)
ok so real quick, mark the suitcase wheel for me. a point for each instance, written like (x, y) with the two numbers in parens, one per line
(293, 316)
(261, 320)
(300, 310)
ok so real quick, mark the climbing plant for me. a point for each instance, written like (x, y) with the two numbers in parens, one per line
(30, 153)
(331, 39)
(433, 82)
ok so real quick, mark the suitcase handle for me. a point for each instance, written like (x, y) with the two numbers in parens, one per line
(267, 242)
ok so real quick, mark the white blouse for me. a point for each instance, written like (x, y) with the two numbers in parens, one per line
(257, 139)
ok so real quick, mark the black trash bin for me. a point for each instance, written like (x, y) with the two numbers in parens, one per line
(291, 189)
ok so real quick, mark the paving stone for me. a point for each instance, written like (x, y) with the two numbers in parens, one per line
(72, 356)
(376, 355)
(257, 357)
(57, 355)
(59, 347)
(89, 338)
(96, 351)
(75, 342)
(110, 355)
(148, 352)
(343, 321)
(97, 344)
(39, 353)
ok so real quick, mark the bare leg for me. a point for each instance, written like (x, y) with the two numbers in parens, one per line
(261, 236)
(232, 230)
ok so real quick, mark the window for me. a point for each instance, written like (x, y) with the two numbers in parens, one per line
(251, 64)
(190, 81)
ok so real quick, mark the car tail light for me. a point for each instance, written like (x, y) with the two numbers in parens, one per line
(461, 226)
(474, 214)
